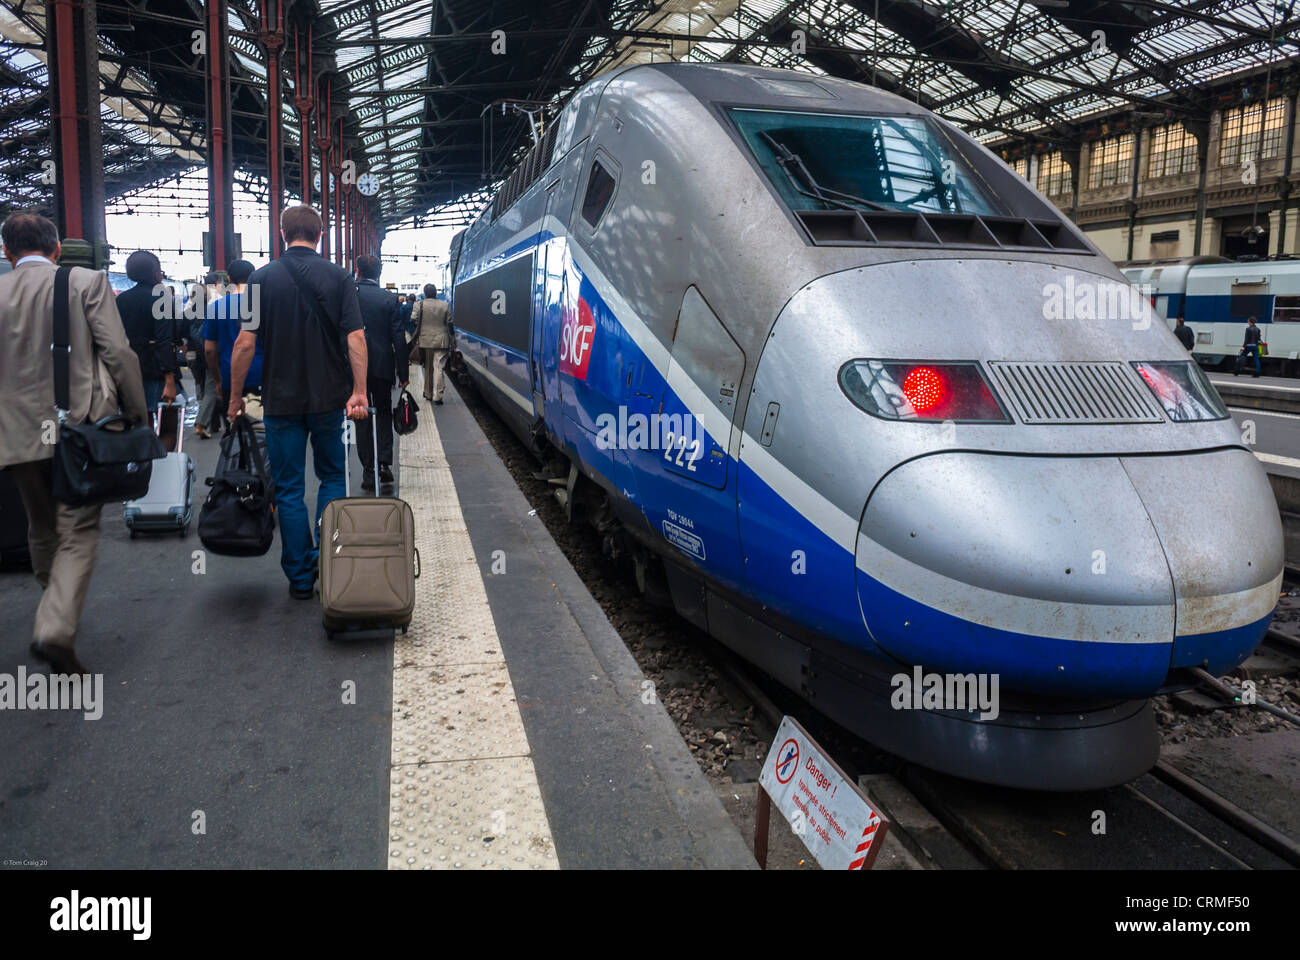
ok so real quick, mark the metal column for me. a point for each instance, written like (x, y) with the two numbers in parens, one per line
(1284, 188)
(221, 183)
(1201, 131)
(323, 123)
(273, 40)
(336, 168)
(72, 54)
(1132, 205)
(350, 212)
(303, 86)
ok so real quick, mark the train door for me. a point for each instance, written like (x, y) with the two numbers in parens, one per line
(552, 255)
(547, 296)
(687, 486)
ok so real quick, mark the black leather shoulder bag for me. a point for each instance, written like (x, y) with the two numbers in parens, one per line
(110, 459)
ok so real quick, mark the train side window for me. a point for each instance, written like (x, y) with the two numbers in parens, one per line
(600, 191)
(1286, 310)
(1248, 299)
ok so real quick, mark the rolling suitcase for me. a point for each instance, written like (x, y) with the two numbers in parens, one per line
(368, 562)
(168, 507)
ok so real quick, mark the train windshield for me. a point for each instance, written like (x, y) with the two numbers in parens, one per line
(823, 161)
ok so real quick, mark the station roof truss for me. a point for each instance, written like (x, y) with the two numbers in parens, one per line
(433, 106)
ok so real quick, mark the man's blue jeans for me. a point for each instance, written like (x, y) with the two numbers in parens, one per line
(1250, 350)
(286, 448)
(153, 394)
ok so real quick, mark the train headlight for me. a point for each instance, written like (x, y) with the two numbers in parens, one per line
(922, 390)
(1182, 389)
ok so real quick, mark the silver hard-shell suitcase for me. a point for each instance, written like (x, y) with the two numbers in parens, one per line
(168, 507)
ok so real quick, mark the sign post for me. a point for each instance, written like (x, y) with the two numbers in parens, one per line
(842, 831)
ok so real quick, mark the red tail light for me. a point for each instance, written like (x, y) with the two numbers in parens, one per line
(921, 390)
(925, 388)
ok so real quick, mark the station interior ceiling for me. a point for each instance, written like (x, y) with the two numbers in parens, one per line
(432, 106)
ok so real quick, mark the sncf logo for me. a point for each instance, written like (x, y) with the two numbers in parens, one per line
(576, 334)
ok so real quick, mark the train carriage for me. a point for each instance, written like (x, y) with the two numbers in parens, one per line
(1216, 297)
(789, 341)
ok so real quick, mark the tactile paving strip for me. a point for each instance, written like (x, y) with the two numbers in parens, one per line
(462, 793)
(463, 815)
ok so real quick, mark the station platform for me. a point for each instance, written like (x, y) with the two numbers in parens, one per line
(509, 728)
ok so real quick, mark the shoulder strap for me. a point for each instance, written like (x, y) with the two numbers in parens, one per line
(312, 301)
(60, 349)
(314, 306)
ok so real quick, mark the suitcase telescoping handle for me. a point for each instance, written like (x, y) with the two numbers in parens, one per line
(374, 441)
(347, 456)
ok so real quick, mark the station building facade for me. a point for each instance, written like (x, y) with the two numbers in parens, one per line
(1151, 188)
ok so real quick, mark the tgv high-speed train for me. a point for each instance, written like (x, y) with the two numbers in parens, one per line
(805, 352)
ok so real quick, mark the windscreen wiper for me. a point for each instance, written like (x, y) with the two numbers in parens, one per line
(787, 159)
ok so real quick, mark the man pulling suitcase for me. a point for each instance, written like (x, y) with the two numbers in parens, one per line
(313, 371)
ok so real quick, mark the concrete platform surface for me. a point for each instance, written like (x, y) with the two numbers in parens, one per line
(507, 728)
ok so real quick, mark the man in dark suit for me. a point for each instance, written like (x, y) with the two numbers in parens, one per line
(389, 359)
(149, 327)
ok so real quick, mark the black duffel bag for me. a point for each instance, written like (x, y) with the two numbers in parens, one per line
(404, 414)
(110, 459)
(238, 517)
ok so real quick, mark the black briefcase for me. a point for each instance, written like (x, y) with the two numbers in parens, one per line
(110, 459)
(238, 517)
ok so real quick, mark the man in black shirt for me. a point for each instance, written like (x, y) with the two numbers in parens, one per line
(1185, 334)
(389, 360)
(1249, 347)
(149, 317)
(306, 318)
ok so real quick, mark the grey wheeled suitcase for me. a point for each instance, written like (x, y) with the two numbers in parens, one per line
(368, 562)
(168, 507)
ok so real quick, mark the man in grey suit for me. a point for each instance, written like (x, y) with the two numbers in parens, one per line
(62, 539)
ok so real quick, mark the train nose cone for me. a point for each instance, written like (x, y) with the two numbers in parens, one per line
(1070, 575)
(1218, 522)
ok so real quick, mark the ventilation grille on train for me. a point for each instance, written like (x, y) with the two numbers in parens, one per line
(911, 228)
(534, 163)
(1107, 392)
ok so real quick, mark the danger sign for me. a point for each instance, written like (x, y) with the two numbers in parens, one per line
(828, 811)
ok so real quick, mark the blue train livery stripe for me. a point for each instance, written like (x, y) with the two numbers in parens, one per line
(1218, 309)
(739, 531)
(1220, 650)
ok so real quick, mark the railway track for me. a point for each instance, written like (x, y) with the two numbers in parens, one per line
(1166, 819)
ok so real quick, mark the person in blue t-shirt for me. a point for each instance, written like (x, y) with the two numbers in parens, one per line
(226, 317)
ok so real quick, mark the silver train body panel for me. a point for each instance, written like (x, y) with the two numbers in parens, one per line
(1081, 532)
